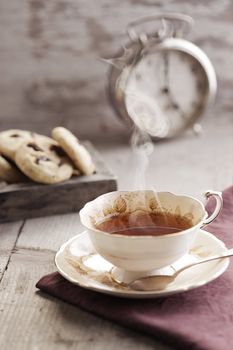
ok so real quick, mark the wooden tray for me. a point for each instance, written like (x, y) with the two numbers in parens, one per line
(27, 200)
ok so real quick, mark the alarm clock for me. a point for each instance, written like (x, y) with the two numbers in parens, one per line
(162, 83)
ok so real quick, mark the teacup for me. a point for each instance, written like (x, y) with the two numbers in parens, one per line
(145, 252)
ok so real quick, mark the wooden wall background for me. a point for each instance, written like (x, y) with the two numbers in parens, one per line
(50, 67)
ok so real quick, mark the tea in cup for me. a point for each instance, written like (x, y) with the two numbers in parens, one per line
(145, 230)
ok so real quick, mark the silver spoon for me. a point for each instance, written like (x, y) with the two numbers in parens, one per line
(159, 282)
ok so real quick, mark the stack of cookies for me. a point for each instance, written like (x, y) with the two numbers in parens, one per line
(25, 154)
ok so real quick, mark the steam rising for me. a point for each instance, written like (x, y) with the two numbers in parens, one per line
(142, 148)
(146, 113)
(148, 119)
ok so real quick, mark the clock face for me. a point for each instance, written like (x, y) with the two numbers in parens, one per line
(166, 91)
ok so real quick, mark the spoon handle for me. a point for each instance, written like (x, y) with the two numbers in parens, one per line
(224, 254)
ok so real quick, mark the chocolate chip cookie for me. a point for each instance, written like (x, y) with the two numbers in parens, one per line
(43, 160)
(11, 140)
(9, 172)
(77, 152)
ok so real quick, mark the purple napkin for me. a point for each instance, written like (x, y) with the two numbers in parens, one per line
(201, 319)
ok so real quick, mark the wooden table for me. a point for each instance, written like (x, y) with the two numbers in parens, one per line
(50, 75)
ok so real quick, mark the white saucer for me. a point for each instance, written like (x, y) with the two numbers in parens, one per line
(78, 262)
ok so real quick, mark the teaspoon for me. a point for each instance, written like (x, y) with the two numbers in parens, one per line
(159, 282)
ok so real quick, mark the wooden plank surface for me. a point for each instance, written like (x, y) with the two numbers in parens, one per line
(41, 237)
(50, 233)
(51, 75)
(9, 233)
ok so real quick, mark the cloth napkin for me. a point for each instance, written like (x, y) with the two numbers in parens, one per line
(200, 319)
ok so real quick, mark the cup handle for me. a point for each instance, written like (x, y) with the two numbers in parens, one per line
(219, 204)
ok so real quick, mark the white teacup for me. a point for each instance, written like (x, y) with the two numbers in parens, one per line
(145, 253)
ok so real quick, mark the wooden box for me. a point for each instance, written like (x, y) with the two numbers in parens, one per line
(27, 200)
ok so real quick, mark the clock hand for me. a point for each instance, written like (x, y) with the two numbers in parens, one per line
(166, 90)
(176, 107)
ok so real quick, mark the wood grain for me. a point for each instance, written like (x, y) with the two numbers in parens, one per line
(50, 233)
(9, 233)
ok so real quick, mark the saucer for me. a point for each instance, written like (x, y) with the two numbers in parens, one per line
(78, 262)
